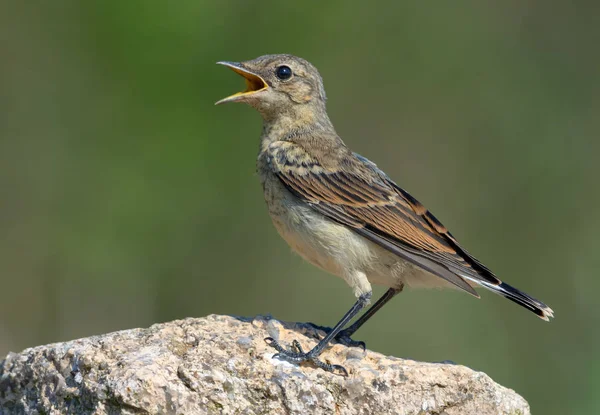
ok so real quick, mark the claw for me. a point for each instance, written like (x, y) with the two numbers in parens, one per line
(275, 344)
(297, 355)
(296, 347)
(341, 369)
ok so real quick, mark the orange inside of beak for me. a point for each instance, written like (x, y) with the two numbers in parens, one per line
(254, 83)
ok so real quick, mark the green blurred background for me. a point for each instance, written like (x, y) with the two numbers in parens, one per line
(128, 198)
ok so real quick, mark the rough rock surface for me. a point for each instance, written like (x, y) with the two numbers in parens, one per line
(221, 365)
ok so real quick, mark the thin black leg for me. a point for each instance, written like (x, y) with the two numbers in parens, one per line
(298, 356)
(389, 294)
(343, 336)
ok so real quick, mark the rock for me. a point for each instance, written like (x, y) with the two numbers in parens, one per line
(222, 365)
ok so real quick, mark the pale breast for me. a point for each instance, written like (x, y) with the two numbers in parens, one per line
(298, 224)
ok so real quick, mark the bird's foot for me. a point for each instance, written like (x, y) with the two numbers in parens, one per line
(343, 337)
(297, 355)
(346, 340)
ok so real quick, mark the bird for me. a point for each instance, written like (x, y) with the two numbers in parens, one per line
(342, 213)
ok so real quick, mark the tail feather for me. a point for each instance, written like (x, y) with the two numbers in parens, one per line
(524, 300)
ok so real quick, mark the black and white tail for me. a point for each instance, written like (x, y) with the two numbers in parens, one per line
(524, 300)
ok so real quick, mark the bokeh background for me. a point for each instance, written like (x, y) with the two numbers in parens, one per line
(128, 198)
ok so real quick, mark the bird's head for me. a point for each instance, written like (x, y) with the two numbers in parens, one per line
(279, 84)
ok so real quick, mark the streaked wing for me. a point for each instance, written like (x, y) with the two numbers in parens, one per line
(469, 264)
(359, 195)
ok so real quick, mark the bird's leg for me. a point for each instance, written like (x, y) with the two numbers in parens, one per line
(344, 336)
(297, 355)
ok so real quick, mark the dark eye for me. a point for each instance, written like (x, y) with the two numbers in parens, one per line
(283, 72)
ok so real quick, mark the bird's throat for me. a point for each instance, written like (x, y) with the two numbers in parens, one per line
(291, 126)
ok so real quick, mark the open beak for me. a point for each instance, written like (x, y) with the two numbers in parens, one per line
(254, 83)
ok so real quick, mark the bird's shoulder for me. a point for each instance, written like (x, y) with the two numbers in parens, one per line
(320, 154)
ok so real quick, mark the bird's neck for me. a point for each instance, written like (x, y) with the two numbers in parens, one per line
(297, 121)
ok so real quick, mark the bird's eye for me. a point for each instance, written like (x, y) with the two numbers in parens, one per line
(283, 72)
